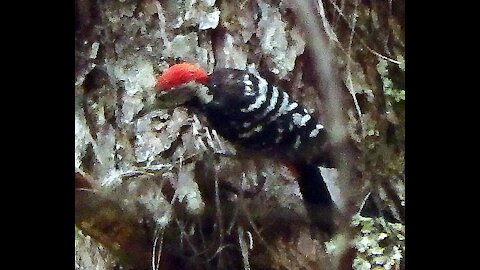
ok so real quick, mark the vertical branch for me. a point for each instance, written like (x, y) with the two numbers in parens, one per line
(345, 155)
(243, 247)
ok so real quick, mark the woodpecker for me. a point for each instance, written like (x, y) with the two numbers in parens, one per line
(252, 113)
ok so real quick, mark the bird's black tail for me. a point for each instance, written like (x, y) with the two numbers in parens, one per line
(316, 196)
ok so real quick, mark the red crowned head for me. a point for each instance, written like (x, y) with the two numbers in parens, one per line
(179, 74)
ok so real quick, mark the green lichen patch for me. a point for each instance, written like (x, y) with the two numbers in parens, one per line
(380, 244)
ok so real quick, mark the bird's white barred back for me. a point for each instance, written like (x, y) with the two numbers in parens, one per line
(246, 109)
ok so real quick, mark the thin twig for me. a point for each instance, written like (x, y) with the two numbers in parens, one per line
(349, 71)
(342, 15)
(219, 213)
(158, 234)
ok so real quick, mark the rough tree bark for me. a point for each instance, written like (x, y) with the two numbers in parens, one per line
(165, 191)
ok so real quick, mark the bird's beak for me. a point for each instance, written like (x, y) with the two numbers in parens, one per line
(167, 100)
(175, 97)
